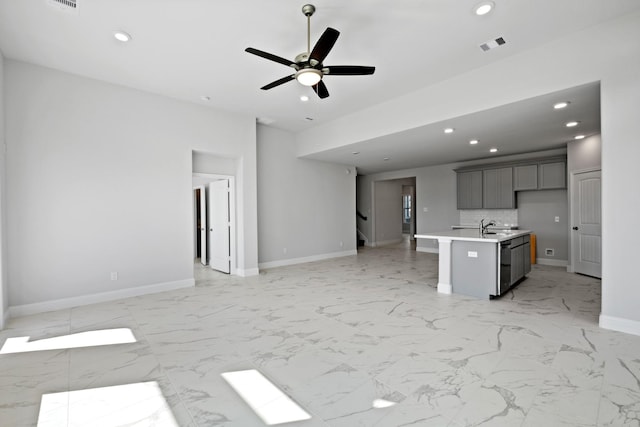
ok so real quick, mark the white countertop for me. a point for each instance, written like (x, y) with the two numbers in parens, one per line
(473, 235)
(492, 227)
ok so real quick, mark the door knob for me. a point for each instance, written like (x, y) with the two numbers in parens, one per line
(575, 228)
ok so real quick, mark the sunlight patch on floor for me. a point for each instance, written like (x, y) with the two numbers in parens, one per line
(81, 339)
(122, 405)
(266, 400)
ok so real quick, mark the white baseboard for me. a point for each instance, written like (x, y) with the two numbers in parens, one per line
(386, 242)
(445, 288)
(619, 324)
(552, 262)
(302, 260)
(60, 304)
(5, 319)
(428, 250)
(246, 272)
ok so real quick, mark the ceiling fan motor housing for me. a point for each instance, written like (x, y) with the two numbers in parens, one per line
(308, 9)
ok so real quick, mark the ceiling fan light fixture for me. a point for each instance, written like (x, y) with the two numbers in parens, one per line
(309, 76)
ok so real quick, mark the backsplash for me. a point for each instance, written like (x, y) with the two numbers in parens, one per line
(500, 216)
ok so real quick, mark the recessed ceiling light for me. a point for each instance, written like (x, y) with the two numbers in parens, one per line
(122, 36)
(473, 142)
(449, 130)
(578, 137)
(572, 124)
(483, 8)
(561, 105)
(304, 98)
(493, 150)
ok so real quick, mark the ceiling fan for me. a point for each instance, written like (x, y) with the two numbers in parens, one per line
(308, 66)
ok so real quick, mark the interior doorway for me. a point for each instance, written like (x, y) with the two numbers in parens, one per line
(586, 221)
(393, 211)
(214, 212)
(200, 221)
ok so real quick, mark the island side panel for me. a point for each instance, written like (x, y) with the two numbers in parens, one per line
(474, 268)
(444, 266)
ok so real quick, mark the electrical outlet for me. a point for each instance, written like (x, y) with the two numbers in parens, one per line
(472, 254)
(284, 250)
(549, 252)
(557, 219)
(341, 244)
(425, 209)
(114, 275)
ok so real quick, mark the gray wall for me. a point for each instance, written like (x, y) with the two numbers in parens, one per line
(436, 202)
(99, 180)
(4, 289)
(388, 211)
(435, 190)
(536, 212)
(305, 206)
(584, 154)
(212, 164)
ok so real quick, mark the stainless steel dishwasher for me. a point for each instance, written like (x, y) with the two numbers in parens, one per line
(505, 267)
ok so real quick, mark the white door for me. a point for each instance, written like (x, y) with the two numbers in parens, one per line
(219, 227)
(586, 238)
(202, 227)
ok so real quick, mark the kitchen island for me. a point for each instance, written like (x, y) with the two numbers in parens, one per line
(479, 264)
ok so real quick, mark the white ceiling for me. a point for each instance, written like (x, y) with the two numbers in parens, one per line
(192, 48)
(522, 127)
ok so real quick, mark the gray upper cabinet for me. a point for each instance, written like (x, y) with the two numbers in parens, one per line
(469, 190)
(497, 188)
(494, 186)
(525, 177)
(552, 175)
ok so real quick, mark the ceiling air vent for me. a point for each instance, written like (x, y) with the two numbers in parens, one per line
(491, 44)
(64, 5)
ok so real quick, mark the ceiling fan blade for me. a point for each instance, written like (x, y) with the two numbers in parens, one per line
(271, 57)
(325, 44)
(321, 89)
(278, 82)
(349, 70)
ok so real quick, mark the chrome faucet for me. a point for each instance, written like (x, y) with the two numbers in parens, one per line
(483, 226)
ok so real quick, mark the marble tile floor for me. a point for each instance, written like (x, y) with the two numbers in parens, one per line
(341, 337)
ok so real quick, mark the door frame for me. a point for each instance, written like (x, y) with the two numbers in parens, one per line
(232, 215)
(571, 192)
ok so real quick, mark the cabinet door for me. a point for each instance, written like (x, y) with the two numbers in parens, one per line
(552, 175)
(517, 263)
(525, 177)
(497, 189)
(470, 190)
(527, 258)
